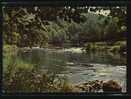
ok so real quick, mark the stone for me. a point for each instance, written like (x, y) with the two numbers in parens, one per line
(111, 86)
(97, 85)
(91, 86)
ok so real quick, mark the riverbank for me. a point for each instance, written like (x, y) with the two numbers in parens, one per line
(99, 86)
(22, 76)
(116, 47)
(30, 80)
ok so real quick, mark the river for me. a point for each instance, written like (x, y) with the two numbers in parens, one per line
(79, 66)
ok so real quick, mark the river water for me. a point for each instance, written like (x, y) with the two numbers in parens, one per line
(79, 66)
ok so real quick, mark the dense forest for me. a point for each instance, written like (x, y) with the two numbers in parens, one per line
(40, 26)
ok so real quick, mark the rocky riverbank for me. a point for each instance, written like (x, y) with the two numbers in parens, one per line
(111, 86)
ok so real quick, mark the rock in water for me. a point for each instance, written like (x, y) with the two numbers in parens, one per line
(111, 86)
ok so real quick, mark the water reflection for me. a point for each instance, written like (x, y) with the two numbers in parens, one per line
(56, 61)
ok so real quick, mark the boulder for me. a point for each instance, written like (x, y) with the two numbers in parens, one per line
(111, 86)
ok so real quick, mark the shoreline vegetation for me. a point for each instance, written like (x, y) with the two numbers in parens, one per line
(116, 47)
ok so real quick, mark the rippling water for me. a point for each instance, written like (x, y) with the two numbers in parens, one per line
(79, 66)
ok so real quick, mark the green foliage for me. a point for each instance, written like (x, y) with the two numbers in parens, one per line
(30, 80)
(42, 26)
(19, 76)
(117, 47)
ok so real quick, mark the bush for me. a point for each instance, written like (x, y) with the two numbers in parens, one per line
(119, 46)
(26, 80)
(115, 49)
(19, 76)
(123, 48)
